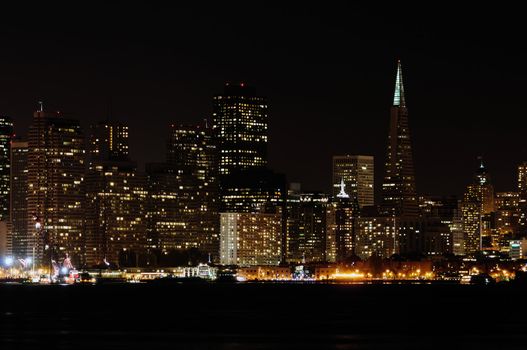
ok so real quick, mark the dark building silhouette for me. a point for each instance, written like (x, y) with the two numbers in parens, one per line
(108, 141)
(253, 190)
(342, 213)
(306, 227)
(20, 241)
(423, 237)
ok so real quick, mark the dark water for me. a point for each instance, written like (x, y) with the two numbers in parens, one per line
(263, 316)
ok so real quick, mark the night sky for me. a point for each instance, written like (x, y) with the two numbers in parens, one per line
(328, 74)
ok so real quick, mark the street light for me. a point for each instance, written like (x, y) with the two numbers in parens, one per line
(38, 226)
(8, 261)
(47, 245)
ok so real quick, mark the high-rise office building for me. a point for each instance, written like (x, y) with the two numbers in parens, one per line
(399, 197)
(522, 177)
(240, 128)
(442, 229)
(108, 140)
(376, 236)
(164, 222)
(240, 123)
(249, 239)
(306, 227)
(6, 133)
(115, 212)
(458, 236)
(192, 154)
(56, 170)
(476, 208)
(358, 176)
(485, 188)
(22, 244)
(522, 203)
(341, 226)
(507, 213)
(471, 214)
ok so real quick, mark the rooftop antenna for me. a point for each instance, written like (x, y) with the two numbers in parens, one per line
(41, 106)
(206, 123)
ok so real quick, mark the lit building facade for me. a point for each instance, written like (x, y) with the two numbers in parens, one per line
(240, 128)
(164, 225)
(357, 171)
(522, 204)
(518, 249)
(376, 236)
(250, 239)
(507, 213)
(476, 210)
(56, 167)
(458, 236)
(115, 215)
(21, 243)
(6, 134)
(399, 197)
(116, 197)
(471, 215)
(192, 154)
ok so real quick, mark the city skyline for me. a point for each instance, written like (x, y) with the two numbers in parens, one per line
(145, 75)
(328, 188)
(262, 175)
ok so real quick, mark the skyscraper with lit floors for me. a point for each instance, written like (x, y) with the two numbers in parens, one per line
(240, 128)
(6, 134)
(116, 197)
(56, 168)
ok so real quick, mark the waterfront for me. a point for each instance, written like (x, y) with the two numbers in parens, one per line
(262, 316)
